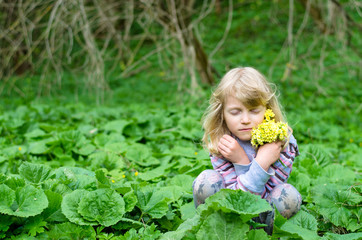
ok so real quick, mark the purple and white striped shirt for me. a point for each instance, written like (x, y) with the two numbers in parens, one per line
(252, 177)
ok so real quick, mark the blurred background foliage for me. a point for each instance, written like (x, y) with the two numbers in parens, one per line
(172, 51)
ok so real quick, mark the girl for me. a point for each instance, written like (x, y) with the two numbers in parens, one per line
(237, 105)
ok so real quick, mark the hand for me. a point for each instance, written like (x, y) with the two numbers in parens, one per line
(268, 154)
(231, 150)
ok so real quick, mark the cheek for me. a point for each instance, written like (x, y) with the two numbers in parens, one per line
(231, 121)
(259, 119)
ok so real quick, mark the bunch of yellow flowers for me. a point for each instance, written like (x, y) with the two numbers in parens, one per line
(268, 131)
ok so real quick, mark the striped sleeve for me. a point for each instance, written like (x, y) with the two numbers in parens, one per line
(252, 180)
(282, 168)
(227, 171)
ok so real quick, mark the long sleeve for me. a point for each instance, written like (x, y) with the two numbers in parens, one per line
(282, 171)
(252, 177)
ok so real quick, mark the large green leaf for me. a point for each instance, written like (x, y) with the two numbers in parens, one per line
(302, 224)
(220, 225)
(23, 202)
(103, 205)
(53, 213)
(7, 196)
(335, 202)
(107, 160)
(84, 149)
(141, 154)
(116, 125)
(130, 200)
(70, 207)
(76, 178)
(15, 182)
(35, 173)
(153, 201)
(39, 147)
(238, 201)
(337, 174)
(182, 180)
(153, 174)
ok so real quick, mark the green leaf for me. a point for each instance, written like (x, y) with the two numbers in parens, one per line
(15, 182)
(300, 181)
(116, 125)
(103, 181)
(335, 202)
(190, 128)
(107, 160)
(54, 211)
(23, 202)
(337, 174)
(102, 205)
(85, 149)
(71, 231)
(152, 201)
(318, 153)
(126, 223)
(183, 229)
(302, 224)
(70, 206)
(187, 211)
(130, 200)
(153, 174)
(36, 133)
(7, 196)
(183, 152)
(34, 226)
(5, 222)
(149, 233)
(257, 234)
(219, 225)
(141, 154)
(237, 201)
(39, 147)
(348, 236)
(76, 178)
(35, 173)
(182, 180)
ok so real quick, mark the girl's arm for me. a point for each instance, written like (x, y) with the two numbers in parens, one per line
(253, 177)
(287, 156)
(260, 180)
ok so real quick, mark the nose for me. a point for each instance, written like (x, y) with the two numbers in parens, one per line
(245, 118)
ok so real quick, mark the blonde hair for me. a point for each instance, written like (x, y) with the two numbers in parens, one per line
(251, 88)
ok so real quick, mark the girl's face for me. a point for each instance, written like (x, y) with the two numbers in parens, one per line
(240, 120)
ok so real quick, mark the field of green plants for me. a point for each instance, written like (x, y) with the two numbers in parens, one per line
(74, 169)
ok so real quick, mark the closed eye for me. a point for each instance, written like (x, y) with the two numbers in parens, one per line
(234, 112)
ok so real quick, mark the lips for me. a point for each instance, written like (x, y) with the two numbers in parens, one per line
(245, 129)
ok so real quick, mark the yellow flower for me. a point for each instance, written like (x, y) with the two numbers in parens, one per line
(113, 181)
(136, 173)
(351, 140)
(19, 148)
(195, 153)
(268, 131)
(269, 114)
(124, 176)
